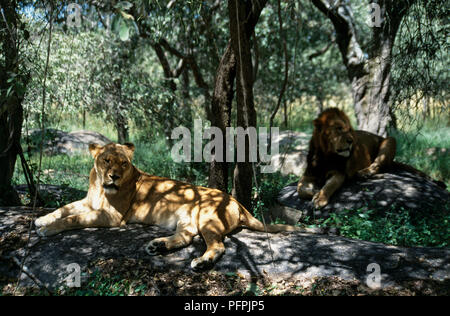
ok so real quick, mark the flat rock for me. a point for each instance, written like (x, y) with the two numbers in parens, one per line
(387, 191)
(279, 256)
(69, 143)
(291, 156)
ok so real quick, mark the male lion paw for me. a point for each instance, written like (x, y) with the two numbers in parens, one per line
(155, 247)
(319, 200)
(367, 172)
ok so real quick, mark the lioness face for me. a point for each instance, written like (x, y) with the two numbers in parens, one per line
(112, 165)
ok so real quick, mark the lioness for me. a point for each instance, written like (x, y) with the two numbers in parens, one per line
(120, 193)
(337, 152)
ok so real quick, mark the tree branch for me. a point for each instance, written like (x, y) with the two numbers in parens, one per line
(286, 67)
(323, 50)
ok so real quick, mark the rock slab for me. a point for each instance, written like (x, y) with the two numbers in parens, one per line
(384, 192)
(69, 143)
(279, 256)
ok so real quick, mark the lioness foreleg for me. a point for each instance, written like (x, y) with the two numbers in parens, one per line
(74, 208)
(322, 198)
(93, 218)
(383, 160)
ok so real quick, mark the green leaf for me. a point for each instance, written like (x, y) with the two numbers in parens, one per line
(115, 24)
(124, 31)
(124, 5)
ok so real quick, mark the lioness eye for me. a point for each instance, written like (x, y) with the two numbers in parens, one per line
(124, 164)
(106, 161)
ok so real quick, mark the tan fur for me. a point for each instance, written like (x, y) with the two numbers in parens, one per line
(337, 153)
(119, 193)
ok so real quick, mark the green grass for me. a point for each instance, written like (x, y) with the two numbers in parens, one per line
(413, 148)
(399, 227)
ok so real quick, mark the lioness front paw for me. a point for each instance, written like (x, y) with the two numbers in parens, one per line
(46, 231)
(44, 220)
(319, 200)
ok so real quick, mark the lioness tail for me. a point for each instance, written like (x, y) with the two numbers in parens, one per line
(249, 221)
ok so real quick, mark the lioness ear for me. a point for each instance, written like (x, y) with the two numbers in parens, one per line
(95, 149)
(129, 149)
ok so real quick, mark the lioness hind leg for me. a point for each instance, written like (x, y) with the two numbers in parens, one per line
(214, 250)
(383, 160)
(181, 238)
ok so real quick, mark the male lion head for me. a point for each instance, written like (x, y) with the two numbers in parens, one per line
(333, 133)
(113, 164)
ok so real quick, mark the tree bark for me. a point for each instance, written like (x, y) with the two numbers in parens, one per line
(11, 111)
(246, 114)
(369, 76)
(221, 105)
(120, 119)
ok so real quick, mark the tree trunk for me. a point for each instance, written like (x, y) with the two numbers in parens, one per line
(120, 119)
(246, 114)
(222, 98)
(375, 114)
(11, 111)
(221, 107)
(369, 77)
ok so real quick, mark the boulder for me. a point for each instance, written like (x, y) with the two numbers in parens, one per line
(69, 143)
(291, 157)
(383, 192)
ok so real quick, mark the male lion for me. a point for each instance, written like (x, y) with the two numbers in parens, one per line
(119, 193)
(337, 153)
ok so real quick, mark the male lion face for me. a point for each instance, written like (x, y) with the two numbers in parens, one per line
(113, 165)
(336, 133)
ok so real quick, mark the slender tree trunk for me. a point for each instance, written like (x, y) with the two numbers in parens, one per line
(222, 98)
(120, 119)
(221, 106)
(186, 111)
(246, 114)
(11, 111)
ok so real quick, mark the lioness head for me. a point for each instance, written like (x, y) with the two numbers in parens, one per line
(334, 133)
(113, 164)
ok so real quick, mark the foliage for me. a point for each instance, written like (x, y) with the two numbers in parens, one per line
(398, 227)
